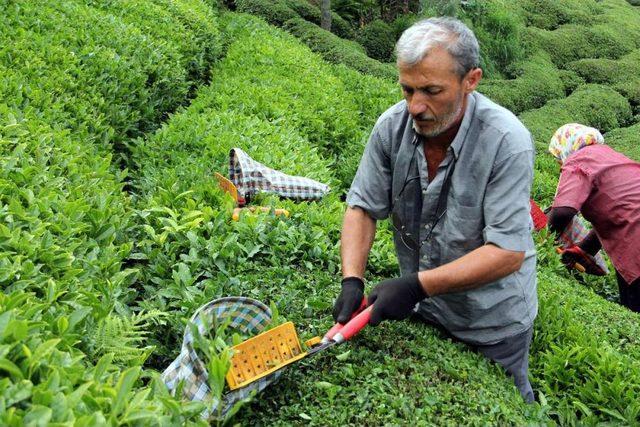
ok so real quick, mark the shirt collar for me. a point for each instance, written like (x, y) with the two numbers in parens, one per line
(461, 136)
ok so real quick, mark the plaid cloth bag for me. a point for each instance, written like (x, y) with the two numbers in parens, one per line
(248, 316)
(251, 177)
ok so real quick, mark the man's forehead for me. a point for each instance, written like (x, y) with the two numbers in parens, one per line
(438, 64)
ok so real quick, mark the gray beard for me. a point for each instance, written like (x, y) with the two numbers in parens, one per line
(442, 124)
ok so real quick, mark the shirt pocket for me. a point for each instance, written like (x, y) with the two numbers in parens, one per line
(462, 230)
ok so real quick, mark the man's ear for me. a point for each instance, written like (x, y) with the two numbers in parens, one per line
(472, 79)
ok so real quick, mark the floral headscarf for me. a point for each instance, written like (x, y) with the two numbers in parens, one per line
(572, 137)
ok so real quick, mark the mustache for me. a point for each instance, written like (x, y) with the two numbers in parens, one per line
(424, 117)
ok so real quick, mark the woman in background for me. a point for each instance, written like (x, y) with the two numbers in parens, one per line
(604, 186)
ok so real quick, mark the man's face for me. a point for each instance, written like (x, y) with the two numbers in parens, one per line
(435, 94)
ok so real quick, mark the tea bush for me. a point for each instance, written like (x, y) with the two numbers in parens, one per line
(77, 81)
(551, 14)
(128, 80)
(571, 42)
(625, 140)
(279, 11)
(378, 40)
(63, 228)
(593, 105)
(585, 360)
(622, 74)
(498, 25)
(311, 13)
(189, 25)
(338, 51)
(537, 81)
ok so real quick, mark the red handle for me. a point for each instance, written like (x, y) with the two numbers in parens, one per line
(336, 328)
(354, 326)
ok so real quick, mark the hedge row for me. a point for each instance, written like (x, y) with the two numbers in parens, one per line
(537, 82)
(89, 71)
(63, 218)
(623, 75)
(593, 105)
(626, 140)
(616, 33)
(77, 80)
(551, 14)
(338, 51)
(189, 25)
(279, 11)
(378, 39)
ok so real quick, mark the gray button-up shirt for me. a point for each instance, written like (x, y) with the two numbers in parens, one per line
(488, 202)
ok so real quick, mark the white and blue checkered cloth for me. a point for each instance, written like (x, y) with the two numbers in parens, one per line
(246, 315)
(251, 177)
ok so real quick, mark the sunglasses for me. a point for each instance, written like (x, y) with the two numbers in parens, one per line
(409, 240)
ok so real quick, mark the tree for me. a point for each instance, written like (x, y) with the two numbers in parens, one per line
(325, 19)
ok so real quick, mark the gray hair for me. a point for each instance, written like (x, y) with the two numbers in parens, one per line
(454, 36)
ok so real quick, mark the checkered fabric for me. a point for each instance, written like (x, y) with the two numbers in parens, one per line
(248, 316)
(251, 177)
(575, 232)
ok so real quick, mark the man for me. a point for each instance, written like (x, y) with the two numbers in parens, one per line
(453, 171)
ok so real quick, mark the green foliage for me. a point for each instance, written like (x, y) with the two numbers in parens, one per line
(274, 12)
(338, 51)
(440, 7)
(592, 105)
(551, 14)
(403, 22)
(623, 74)
(497, 25)
(311, 13)
(123, 336)
(98, 74)
(77, 82)
(279, 11)
(570, 80)
(81, 261)
(378, 40)
(537, 81)
(190, 26)
(586, 371)
(571, 42)
(625, 140)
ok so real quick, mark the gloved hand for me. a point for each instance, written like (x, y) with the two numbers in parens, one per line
(394, 299)
(349, 299)
(574, 254)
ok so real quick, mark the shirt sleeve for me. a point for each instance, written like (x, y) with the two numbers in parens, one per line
(573, 188)
(507, 209)
(371, 187)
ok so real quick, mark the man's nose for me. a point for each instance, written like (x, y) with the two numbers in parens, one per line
(417, 104)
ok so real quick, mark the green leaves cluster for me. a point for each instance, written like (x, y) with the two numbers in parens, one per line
(78, 83)
(98, 284)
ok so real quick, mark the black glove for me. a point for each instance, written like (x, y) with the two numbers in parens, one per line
(349, 299)
(394, 299)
